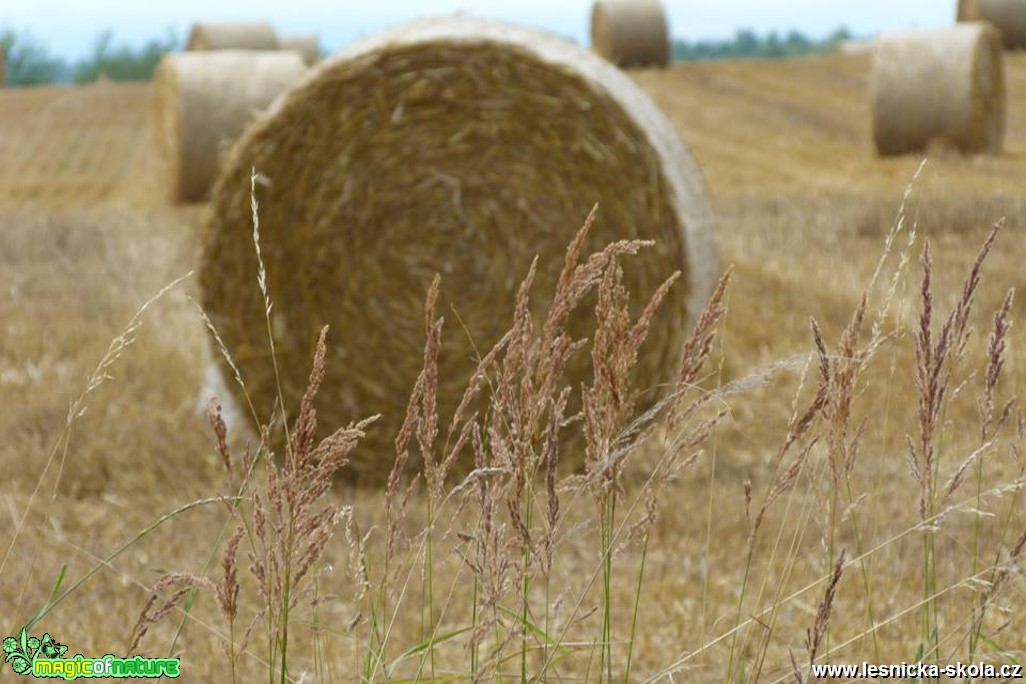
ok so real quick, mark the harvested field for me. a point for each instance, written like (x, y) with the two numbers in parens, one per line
(802, 205)
(78, 147)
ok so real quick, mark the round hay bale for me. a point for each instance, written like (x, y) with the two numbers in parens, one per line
(968, 10)
(454, 146)
(855, 47)
(309, 46)
(630, 33)
(1009, 17)
(253, 35)
(944, 85)
(205, 100)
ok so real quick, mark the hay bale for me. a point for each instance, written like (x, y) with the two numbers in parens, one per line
(945, 85)
(855, 47)
(255, 35)
(1009, 17)
(3, 67)
(309, 46)
(205, 100)
(968, 10)
(454, 146)
(630, 33)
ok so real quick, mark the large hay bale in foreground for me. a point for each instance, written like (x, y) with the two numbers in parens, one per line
(630, 33)
(1009, 17)
(460, 147)
(309, 46)
(945, 85)
(253, 35)
(205, 100)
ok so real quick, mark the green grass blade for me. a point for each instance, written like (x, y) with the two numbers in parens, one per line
(429, 643)
(998, 648)
(54, 593)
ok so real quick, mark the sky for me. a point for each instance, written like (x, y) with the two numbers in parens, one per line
(69, 28)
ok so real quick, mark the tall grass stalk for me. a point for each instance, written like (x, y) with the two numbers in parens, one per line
(937, 355)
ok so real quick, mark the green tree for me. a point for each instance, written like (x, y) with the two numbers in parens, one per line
(123, 62)
(29, 62)
(746, 43)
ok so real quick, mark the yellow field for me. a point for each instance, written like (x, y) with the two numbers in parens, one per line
(802, 206)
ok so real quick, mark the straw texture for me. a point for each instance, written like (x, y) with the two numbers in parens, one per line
(309, 46)
(968, 10)
(944, 85)
(453, 146)
(630, 33)
(1009, 17)
(855, 47)
(232, 36)
(205, 100)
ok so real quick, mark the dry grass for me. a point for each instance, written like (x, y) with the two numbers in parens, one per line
(787, 168)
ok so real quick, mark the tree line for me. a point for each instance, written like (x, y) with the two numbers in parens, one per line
(29, 62)
(748, 44)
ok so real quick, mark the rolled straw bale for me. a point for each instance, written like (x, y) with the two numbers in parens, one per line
(1009, 17)
(454, 146)
(968, 10)
(855, 47)
(945, 85)
(205, 100)
(630, 33)
(309, 46)
(253, 35)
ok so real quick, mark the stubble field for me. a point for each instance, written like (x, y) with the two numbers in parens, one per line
(803, 207)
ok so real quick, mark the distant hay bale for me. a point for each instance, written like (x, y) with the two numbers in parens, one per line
(968, 10)
(454, 146)
(630, 33)
(232, 36)
(309, 46)
(205, 100)
(945, 85)
(855, 47)
(3, 67)
(1009, 17)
